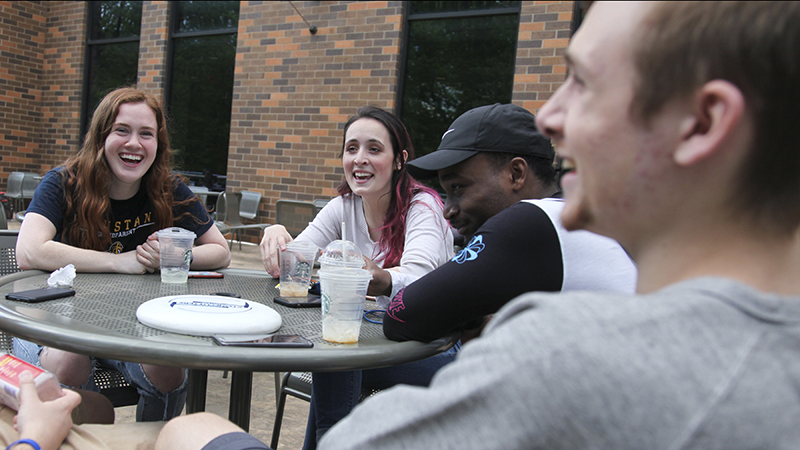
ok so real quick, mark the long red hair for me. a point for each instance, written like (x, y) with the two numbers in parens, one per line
(404, 186)
(88, 175)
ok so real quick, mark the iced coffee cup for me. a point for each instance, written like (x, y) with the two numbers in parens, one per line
(344, 293)
(341, 253)
(297, 261)
(175, 250)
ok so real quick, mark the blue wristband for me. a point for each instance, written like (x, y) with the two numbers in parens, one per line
(30, 442)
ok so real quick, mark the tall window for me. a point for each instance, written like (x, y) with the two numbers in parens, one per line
(458, 55)
(200, 92)
(112, 51)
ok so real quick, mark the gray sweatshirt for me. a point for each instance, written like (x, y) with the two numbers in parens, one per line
(704, 364)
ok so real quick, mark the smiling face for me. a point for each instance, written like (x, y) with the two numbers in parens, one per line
(476, 190)
(131, 148)
(368, 159)
(616, 162)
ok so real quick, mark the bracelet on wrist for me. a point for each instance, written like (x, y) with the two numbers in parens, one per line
(30, 442)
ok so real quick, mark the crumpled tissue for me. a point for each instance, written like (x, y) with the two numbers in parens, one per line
(62, 277)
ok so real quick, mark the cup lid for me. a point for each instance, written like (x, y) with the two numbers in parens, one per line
(301, 246)
(342, 253)
(176, 232)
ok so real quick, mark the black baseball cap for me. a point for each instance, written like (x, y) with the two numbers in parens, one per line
(492, 128)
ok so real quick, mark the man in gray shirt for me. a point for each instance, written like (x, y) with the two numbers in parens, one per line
(681, 125)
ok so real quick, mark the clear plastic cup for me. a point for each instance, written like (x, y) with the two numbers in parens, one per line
(297, 262)
(344, 293)
(341, 253)
(175, 250)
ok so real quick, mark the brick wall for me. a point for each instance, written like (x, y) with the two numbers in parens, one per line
(62, 81)
(153, 47)
(22, 37)
(293, 91)
(544, 32)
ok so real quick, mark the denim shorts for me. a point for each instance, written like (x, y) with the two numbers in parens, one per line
(153, 404)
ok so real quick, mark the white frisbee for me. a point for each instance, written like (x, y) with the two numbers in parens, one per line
(207, 315)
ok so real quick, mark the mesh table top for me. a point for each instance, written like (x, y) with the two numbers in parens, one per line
(101, 320)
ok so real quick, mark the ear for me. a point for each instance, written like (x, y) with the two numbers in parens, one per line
(399, 165)
(518, 171)
(719, 108)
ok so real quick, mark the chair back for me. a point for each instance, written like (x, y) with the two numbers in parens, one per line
(3, 218)
(14, 186)
(294, 215)
(227, 209)
(320, 203)
(248, 208)
(8, 252)
(30, 182)
(232, 201)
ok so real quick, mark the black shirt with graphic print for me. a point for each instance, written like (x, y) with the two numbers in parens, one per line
(514, 252)
(131, 220)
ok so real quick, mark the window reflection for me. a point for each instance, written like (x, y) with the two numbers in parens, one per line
(113, 65)
(115, 19)
(112, 52)
(454, 64)
(206, 16)
(201, 83)
(422, 7)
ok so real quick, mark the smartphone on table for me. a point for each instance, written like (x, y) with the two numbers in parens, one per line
(309, 301)
(40, 295)
(276, 340)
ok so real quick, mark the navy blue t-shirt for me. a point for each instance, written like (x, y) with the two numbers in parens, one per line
(131, 220)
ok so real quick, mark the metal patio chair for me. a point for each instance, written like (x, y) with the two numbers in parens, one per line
(248, 202)
(294, 215)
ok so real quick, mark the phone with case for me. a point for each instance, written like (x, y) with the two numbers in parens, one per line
(40, 295)
(310, 301)
(276, 340)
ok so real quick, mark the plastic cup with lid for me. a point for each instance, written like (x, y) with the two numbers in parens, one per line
(341, 253)
(175, 254)
(344, 293)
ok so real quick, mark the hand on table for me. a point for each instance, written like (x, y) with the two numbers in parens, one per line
(275, 239)
(47, 423)
(129, 263)
(148, 254)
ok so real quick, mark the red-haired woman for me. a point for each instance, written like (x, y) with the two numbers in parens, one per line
(395, 221)
(99, 212)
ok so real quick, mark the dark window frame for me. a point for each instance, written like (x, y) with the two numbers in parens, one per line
(409, 17)
(85, 113)
(173, 36)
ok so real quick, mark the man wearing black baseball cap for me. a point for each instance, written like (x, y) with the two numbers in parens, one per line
(505, 160)
(497, 171)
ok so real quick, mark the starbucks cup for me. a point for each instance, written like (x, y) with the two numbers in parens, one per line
(175, 250)
(297, 261)
(341, 253)
(344, 293)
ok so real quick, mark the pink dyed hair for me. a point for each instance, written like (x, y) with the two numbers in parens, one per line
(404, 186)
